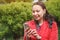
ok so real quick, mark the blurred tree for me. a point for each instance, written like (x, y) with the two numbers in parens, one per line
(8, 1)
(2, 1)
(25, 0)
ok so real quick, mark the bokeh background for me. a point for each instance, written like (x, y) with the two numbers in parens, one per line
(13, 13)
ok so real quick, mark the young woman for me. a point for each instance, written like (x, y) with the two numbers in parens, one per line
(42, 27)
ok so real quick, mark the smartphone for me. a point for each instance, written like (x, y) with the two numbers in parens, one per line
(26, 27)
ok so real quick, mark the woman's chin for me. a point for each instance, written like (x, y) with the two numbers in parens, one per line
(37, 19)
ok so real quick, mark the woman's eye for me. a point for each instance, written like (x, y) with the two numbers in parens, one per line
(37, 11)
(33, 11)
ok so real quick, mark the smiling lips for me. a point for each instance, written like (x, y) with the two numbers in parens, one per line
(36, 16)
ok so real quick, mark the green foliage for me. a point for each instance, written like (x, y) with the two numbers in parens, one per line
(12, 17)
(9, 1)
(25, 0)
(59, 33)
(54, 8)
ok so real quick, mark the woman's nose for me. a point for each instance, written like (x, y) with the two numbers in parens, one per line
(35, 13)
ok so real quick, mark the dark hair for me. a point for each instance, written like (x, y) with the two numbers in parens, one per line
(46, 16)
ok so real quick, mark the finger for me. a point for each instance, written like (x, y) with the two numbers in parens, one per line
(34, 31)
(29, 35)
(31, 32)
(27, 29)
(35, 35)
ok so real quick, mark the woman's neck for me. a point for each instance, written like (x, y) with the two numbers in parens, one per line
(41, 22)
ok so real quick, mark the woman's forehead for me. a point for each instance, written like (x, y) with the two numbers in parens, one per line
(36, 7)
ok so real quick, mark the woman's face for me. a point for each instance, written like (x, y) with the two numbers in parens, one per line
(38, 12)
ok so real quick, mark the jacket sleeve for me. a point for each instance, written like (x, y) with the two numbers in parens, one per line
(54, 32)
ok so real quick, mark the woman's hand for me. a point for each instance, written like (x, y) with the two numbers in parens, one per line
(34, 33)
(28, 32)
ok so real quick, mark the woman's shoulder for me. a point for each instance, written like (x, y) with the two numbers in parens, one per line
(54, 22)
(51, 24)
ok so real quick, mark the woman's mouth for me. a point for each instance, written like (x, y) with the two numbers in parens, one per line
(36, 16)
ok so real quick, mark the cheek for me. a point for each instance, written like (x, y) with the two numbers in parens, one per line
(32, 13)
(41, 13)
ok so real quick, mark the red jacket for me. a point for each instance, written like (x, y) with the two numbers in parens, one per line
(44, 31)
